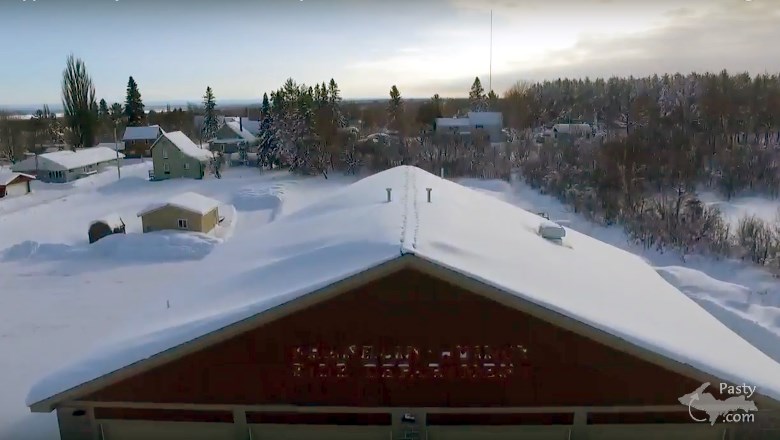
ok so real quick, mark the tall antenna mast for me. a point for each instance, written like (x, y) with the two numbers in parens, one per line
(490, 77)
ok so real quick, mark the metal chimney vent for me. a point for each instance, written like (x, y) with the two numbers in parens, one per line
(389, 197)
(551, 230)
(429, 194)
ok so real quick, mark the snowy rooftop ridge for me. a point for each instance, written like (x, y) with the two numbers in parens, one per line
(186, 146)
(147, 133)
(460, 229)
(189, 201)
(241, 131)
(7, 176)
(68, 160)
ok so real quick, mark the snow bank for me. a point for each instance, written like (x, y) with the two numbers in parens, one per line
(735, 209)
(251, 198)
(162, 246)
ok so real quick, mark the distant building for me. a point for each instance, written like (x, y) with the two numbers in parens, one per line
(185, 212)
(232, 137)
(65, 166)
(14, 184)
(251, 125)
(491, 123)
(103, 227)
(174, 155)
(139, 140)
(564, 132)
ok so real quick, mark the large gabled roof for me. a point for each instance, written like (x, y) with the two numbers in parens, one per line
(67, 160)
(462, 231)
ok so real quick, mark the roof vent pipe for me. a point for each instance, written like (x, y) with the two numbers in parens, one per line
(389, 198)
(429, 194)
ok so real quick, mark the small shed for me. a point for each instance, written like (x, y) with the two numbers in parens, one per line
(185, 212)
(110, 224)
(14, 184)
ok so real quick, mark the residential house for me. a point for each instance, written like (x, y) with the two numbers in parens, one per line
(174, 155)
(490, 123)
(65, 166)
(232, 137)
(103, 227)
(570, 132)
(473, 326)
(251, 125)
(139, 140)
(118, 146)
(185, 212)
(14, 184)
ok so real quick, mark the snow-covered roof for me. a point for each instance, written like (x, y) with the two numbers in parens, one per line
(452, 122)
(67, 159)
(113, 221)
(486, 118)
(7, 176)
(248, 124)
(465, 231)
(186, 146)
(189, 201)
(241, 132)
(572, 128)
(114, 146)
(148, 133)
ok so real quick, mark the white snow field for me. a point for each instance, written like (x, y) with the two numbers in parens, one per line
(69, 310)
(742, 206)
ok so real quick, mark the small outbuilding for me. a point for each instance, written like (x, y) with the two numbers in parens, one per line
(185, 212)
(110, 224)
(14, 184)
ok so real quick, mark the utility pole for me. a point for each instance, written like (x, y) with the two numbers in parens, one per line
(116, 149)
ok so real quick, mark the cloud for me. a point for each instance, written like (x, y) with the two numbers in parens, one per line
(737, 36)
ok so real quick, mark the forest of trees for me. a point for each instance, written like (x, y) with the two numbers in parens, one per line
(664, 137)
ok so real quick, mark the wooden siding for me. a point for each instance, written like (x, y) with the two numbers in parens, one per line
(176, 161)
(167, 218)
(558, 367)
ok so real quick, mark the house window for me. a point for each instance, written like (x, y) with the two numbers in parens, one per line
(183, 223)
(165, 153)
(166, 168)
(186, 166)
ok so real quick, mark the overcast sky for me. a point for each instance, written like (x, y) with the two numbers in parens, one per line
(241, 48)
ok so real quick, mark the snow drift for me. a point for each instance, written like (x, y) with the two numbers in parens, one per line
(259, 199)
(154, 247)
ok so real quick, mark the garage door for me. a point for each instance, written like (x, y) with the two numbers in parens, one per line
(656, 432)
(149, 430)
(319, 432)
(18, 189)
(498, 433)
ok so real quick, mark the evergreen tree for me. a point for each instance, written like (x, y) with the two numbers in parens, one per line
(492, 101)
(429, 111)
(395, 109)
(134, 107)
(78, 101)
(103, 109)
(210, 123)
(265, 108)
(477, 99)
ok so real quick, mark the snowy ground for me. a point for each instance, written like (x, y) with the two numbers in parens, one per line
(60, 297)
(738, 207)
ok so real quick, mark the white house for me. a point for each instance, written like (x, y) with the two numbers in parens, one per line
(491, 123)
(14, 184)
(65, 166)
